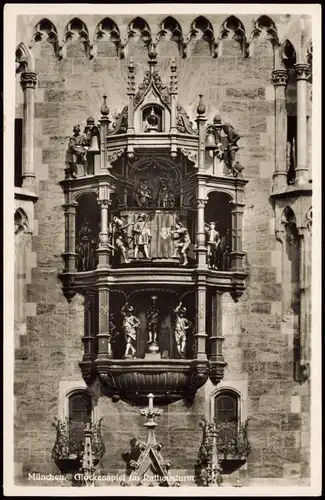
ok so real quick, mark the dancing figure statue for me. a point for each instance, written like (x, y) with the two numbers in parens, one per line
(141, 236)
(213, 242)
(182, 324)
(119, 237)
(152, 316)
(182, 236)
(130, 325)
(77, 152)
(143, 195)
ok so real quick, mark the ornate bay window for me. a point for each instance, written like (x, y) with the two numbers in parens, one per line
(153, 234)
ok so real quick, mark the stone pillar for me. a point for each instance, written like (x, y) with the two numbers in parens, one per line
(217, 362)
(70, 255)
(173, 97)
(200, 335)
(279, 78)
(103, 250)
(28, 81)
(302, 175)
(304, 307)
(201, 120)
(89, 326)
(236, 255)
(104, 339)
(201, 249)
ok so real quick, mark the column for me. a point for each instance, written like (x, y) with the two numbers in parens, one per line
(304, 307)
(103, 337)
(201, 120)
(236, 255)
(279, 78)
(302, 175)
(103, 250)
(200, 335)
(89, 326)
(201, 249)
(217, 362)
(28, 81)
(70, 255)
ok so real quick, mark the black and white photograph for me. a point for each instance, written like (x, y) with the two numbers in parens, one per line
(162, 283)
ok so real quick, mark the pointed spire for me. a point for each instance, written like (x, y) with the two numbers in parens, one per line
(104, 108)
(131, 77)
(201, 106)
(173, 78)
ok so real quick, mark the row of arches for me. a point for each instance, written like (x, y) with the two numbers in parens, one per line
(201, 33)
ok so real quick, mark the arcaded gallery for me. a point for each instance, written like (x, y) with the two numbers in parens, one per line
(163, 227)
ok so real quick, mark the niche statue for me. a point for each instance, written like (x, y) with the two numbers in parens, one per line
(76, 153)
(143, 195)
(130, 325)
(152, 316)
(213, 242)
(141, 236)
(182, 237)
(182, 324)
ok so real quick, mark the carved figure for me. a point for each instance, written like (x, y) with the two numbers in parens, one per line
(166, 197)
(119, 237)
(84, 248)
(141, 236)
(152, 316)
(77, 152)
(182, 324)
(92, 131)
(143, 195)
(130, 325)
(152, 122)
(213, 242)
(225, 249)
(233, 138)
(180, 233)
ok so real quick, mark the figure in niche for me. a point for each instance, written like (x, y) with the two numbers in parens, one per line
(166, 197)
(141, 236)
(213, 241)
(77, 152)
(179, 232)
(182, 325)
(119, 237)
(130, 325)
(152, 316)
(85, 247)
(152, 122)
(143, 195)
(225, 249)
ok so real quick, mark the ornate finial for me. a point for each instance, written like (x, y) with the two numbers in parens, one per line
(131, 77)
(104, 109)
(201, 107)
(152, 57)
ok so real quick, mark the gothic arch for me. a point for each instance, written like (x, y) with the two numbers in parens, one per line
(138, 31)
(74, 32)
(232, 29)
(201, 33)
(264, 29)
(170, 36)
(25, 60)
(45, 30)
(287, 54)
(21, 221)
(107, 38)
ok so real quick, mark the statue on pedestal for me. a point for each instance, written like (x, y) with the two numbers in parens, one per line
(179, 232)
(166, 197)
(213, 242)
(141, 236)
(152, 316)
(77, 152)
(181, 326)
(120, 240)
(130, 325)
(143, 195)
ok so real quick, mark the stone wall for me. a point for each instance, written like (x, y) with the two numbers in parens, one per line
(258, 346)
